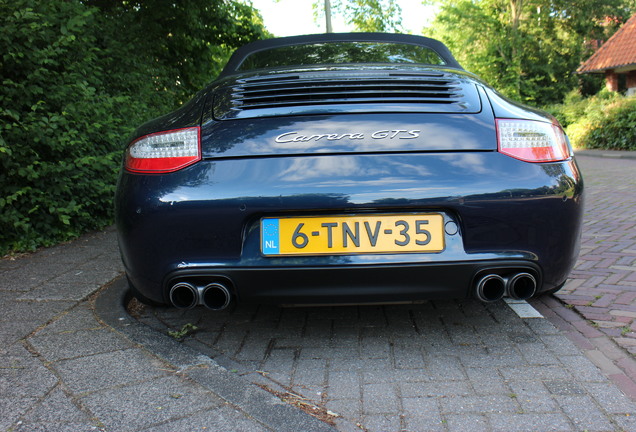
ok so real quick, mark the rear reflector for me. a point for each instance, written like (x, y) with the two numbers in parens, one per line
(164, 152)
(532, 141)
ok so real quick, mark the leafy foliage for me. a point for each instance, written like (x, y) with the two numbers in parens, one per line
(367, 15)
(189, 41)
(615, 130)
(528, 49)
(76, 79)
(604, 121)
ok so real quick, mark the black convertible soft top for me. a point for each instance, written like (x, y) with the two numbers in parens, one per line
(234, 64)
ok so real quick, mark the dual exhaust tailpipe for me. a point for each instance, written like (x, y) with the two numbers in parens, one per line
(214, 296)
(489, 287)
(492, 287)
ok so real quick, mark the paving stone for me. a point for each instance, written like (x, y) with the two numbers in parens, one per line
(545, 422)
(280, 360)
(394, 376)
(584, 413)
(36, 313)
(343, 425)
(78, 318)
(424, 424)
(435, 389)
(282, 378)
(379, 399)
(347, 353)
(348, 408)
(370, 316)
(528, 386)
(221, 418)
(560, 345)
(343, 385)
(537, 354)
(441, 368)
(56, 407)
(375, 347)
(12, 408)
(625, 422)
(490, 360)
(310, 372)
(531, 402)
(60, 346)
(610, 398)
(522, 337)
(467, 422)
(14, 331)
(563, 387)
(82, 280)
(254, 347)
(407, 357)
(371, 367)
(24, 279)
(343, 332)
(480, 404)
(62, 289)
(487, 381)
(605, 365)
(149, 403)
(535, 372)
(24, 376)
(55, 426)
(464, 334)
(97, 372)
(319, 330)
(423, 414)
(230, 340)
(381, 422)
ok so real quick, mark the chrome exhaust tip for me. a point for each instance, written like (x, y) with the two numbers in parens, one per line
(490, 288)
(215, 296)
(184, 295)
(521, 286)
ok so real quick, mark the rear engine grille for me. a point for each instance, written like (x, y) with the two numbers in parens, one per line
(388, 92)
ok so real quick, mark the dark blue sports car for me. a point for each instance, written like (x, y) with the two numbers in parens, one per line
(347, 168)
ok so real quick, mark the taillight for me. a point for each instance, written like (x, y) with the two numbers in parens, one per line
(532, 141)
(164, 152)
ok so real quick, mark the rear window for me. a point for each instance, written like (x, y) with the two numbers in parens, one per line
(341, 53)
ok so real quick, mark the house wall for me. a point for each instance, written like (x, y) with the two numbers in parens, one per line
(611, 80)
(631, 83)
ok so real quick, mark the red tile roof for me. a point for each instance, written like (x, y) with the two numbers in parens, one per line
(618, 51)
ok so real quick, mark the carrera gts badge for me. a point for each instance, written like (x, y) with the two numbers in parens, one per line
(381, 134)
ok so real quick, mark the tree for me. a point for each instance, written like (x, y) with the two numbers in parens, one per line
(367, 15)
(188, 40)
(528, 49)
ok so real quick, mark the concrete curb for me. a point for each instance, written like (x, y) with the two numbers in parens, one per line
(252, 400)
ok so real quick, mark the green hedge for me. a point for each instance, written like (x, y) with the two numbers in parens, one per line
(62, 125)
(76, 80)
(604, 121)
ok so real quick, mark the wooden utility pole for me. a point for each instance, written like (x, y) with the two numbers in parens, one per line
(328, 16)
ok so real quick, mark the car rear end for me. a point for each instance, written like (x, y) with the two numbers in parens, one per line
(345, 186)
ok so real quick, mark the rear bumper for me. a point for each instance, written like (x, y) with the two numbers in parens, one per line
(353, 284)
(204, 221)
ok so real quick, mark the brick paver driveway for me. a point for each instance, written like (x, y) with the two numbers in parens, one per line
(603, 284)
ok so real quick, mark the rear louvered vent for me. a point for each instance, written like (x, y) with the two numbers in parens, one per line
(388, 92)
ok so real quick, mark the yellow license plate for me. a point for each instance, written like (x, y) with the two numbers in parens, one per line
(359, 234)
